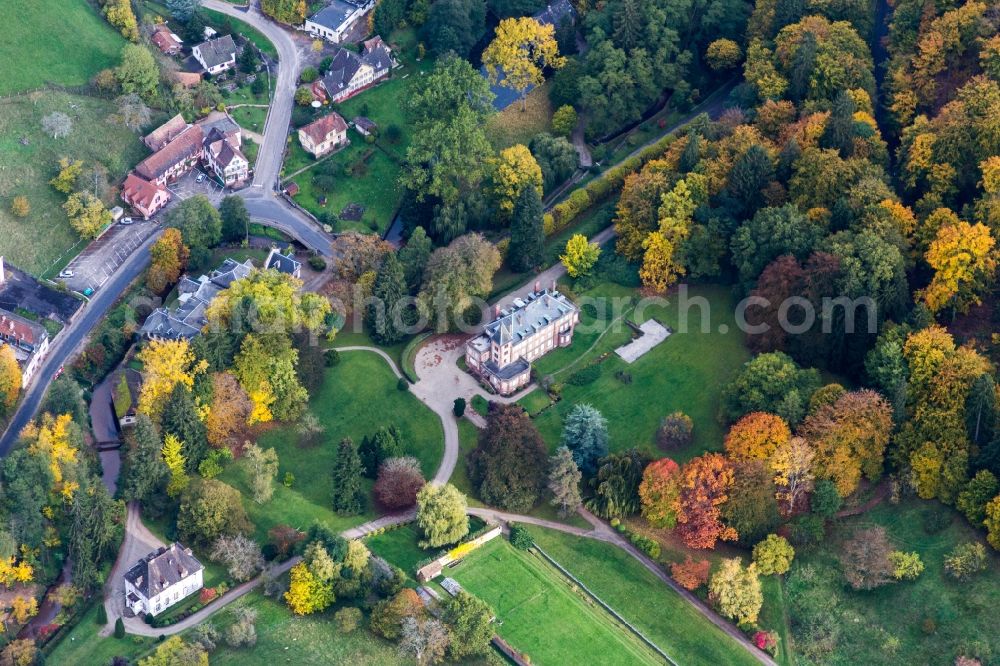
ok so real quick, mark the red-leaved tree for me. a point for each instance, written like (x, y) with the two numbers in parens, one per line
(705, 482)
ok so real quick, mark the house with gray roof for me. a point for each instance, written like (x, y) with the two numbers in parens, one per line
(185, 320)
(351, 73)
(283, 263)
(216, 55)
(534, 325)
(161, 579)
(335, 21)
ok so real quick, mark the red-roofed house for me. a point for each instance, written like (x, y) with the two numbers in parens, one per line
(165, 133)
(174, 159)
(28, 340)
(144, 197)
(166, 40)
(324, 134)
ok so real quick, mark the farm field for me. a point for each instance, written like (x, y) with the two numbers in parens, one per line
(29, 159)
(903, 622)
(541, 614)
(358, 396)
(685, 372)
(642, 599)
(66, 43)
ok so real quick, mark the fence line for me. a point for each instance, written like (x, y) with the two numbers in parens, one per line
(606, 607)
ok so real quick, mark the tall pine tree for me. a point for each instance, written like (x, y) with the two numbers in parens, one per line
(144, 474)
(388, 313)
(527, 235)
(414, 256)
(348, 497)
(180, 419)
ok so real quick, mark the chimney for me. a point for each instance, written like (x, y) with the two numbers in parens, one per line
(538, 286)
(553, 285)
(496, 311)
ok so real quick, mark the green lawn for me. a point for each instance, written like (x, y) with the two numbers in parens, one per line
(66, 43)
(542, 614)
(283, 638)
(227, 24)
(376, 186)
(833, 624)
(399, 547)
(358, 396)
(250, 117)
(685, 372)
(512, 125)
(29, 159)
(636, 594)
(82, 645)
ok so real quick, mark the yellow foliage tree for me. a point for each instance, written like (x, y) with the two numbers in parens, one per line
(792, 464)
(24, 608)
(10, 377)
(514, 170)
(166, 363)
(306, 593)
(20, 206)
(659, 270)
(174, 459)
(119, 14)
(69, 171)
(520, 52)
(87, 214)
(580, 256)
(12, 571)
(52, 440)
(964, 261)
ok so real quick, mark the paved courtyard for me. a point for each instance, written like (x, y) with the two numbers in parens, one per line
(102, 257)
(653, 333)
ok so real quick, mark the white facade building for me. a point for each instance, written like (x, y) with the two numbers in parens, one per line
(162, 579)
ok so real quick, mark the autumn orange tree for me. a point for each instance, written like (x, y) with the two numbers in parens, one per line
(658, 492)
(169, 258)
(704, 484)
(757, 436)
(229, 411)
(849, 438)
(964, 260)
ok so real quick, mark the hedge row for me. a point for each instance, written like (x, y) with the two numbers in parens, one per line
(601, 188)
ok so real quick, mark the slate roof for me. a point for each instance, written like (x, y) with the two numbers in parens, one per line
(187, 318)
(345, 64)
(528, 316)
(555, 12)
(367, 124)
(281, 262)
(184, 146)
(377, 54)
(217, 51)
(334, 14)
(163, 568)
(221, 122)
(319, 129)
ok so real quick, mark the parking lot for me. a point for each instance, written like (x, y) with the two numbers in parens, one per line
(92, 267)
(99, 260)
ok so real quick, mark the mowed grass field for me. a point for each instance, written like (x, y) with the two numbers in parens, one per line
(29, 159)
(64, 42)
(685, 372)
(540, 614)
(931, 620)
(642, 599)
(358, 395)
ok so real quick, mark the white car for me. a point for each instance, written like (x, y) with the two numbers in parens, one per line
(65, 273)
(200, 178)
(127, 220)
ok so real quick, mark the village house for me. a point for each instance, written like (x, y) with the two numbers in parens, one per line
(283, 263)
(351, 73)
(336, 20)
(323, 135)
(175, 159)
(29, 340)
(535, 325)
(225, 159)
(165, 133)
(216, 55)
(165, 40)
(162, 579)
(143, 196)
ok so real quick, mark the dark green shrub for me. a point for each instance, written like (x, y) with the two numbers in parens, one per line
(520, 538)
(587, 375)
(459, 407)
(102, 615)
(317, 263)
(120, 628)
(332, 358)
(402, 384)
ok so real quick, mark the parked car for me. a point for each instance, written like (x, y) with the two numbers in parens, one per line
(65, 273)
(200, 178)
(127, 220)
